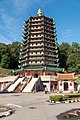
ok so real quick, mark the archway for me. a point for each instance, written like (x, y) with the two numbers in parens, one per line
(65, 86)
(35, 75)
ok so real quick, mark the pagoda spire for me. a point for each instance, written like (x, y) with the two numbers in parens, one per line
(39, 12)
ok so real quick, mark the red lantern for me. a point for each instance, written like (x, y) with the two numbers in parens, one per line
(60, 84)
(70, 84)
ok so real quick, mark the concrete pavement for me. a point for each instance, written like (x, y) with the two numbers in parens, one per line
(33, 106)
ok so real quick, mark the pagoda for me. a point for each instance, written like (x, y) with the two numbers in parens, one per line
(39, 48)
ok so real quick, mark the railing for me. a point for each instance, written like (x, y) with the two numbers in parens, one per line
(5, 89)
(26, 84)
(48, 78)
(16, 88)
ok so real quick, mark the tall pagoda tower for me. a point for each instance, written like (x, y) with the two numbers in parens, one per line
(39, 50)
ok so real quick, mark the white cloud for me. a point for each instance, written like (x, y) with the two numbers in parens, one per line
(2, 39)
(9, 22)
(20, 6)
(68, 33)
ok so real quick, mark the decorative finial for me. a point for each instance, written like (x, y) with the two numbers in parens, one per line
(39, 12)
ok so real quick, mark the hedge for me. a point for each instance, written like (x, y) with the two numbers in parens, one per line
(63, 97)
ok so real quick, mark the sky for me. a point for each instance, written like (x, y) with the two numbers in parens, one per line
(66, 14)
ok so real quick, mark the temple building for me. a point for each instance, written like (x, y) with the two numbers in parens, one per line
(39, 49)
(39, 60)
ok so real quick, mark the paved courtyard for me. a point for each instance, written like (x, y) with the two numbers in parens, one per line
(33, 106)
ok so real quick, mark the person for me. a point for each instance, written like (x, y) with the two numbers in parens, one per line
(46, 90)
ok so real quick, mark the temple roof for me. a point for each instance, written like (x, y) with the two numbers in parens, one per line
(65, 76)
(43, 67)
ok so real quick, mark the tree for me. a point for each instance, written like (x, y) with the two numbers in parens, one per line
(14, 53)
(5, 61)
(63, 51)
(73, 59)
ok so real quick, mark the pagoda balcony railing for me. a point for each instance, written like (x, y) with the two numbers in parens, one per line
(25, 48)
(23, 52)
(24, 32)
(25, 42)
(36, 54)
(36, 49)
(37, 37)
(37, 28)
(49, 30)
(48, 38)
(36, 40)
(19, 61)
(51, 34)
(25, 37)
(36, 24)
(48, 25)
(51, 55)
(51, 41)
(56, 51)
(38, 32)
(53, 64)
(22, 57)
(25, 26)
(36, 46)
(23, 60)
(56, 59)
(36, 58)
(24, 65)
(51, 59)
(39, 21)
(35, 63)
(49, 46)
(46, 49)
(36, 20)
(48, 22)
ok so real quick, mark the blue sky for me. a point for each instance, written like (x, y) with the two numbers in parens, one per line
(66, 14)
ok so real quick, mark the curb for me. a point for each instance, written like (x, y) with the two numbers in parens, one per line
(58, 102)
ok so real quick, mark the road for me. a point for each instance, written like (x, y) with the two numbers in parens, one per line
(33, 106)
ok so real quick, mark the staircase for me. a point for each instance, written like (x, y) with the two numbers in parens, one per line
(30, 85)
(15, 84)
(21, 85)
(13, 78)
(18, 88)
(25, 83)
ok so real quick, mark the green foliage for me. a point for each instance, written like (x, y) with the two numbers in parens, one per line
(9, 55)
(5, 61)
(5, 72)
(78, 79)
(63, 97)
(70, 56)
(56, 98)
(63, 50)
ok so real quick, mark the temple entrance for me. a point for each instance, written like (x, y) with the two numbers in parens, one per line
(35, 75)
(65, 86)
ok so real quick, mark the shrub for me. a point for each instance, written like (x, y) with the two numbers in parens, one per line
(56, 98)
(63, 98)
